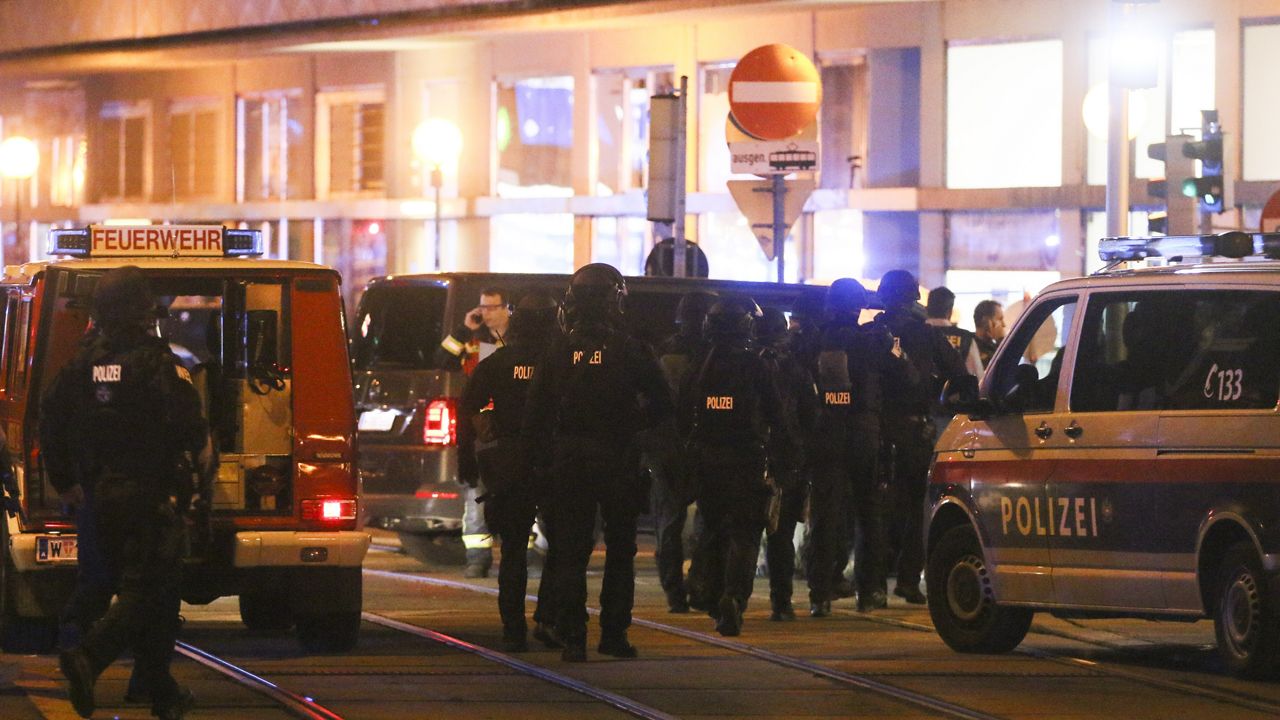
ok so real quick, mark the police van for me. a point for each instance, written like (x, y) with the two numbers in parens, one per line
(264, 344)
(407, 392)
(1130, 467)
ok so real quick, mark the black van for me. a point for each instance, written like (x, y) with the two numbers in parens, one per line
(407, 463)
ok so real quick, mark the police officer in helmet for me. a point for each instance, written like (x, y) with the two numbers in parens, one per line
(114, 423)
(799, 398)
(853, 366)
(492, 409)
(908, 425)
(596, 391)
(729, 410)
(669, 495)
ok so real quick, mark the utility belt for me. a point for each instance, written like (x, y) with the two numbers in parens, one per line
(502, 464)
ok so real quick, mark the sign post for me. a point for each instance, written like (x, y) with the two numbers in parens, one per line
(774, 95)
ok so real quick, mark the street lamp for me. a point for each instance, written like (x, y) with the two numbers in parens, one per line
(437, 143)
(19, 159)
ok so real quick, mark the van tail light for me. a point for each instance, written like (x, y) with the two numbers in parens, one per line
(326, 510)
(440, 422)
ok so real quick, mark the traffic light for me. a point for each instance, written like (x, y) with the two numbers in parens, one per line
(1181, 217)
(1207, 186)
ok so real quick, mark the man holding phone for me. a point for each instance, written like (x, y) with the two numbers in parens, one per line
(483, 330)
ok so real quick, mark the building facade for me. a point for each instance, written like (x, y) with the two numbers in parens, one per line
(953, 133)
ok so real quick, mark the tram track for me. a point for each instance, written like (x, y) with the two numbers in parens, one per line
(1192, 689)
(852, 680)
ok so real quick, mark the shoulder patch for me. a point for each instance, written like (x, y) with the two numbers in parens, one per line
(183, 373)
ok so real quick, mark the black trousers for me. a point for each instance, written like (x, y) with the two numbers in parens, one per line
(780, 549)
(843, 491)
(670, 507)
(590, 476)
(912, 440)
(141, 541)
(510, 516)
(732, 497)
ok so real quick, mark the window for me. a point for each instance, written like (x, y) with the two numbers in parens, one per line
(350, 157)
(272, 147)
(1025, 378)
(1261, 103)
(66, 170)
(622, 125)
(1178, 350)
(16, 330)
(193, 148)
(528, 242)
(124, 160)
(623, 242)
(733, 253)
(998, 240)
(533, 129)
(838, 249)
(843, 121)
(1004, 115)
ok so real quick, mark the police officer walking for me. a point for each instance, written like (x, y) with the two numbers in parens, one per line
(908, 425)
(597, 389)
(492, 409)
(799, 399)
(853, 366)
(669, 495)
(113, 424)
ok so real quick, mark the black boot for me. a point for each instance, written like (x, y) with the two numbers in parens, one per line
(78, 670)
(782, 611)
(616, 644)
(730, 622)
(574, 651)
(546, 634)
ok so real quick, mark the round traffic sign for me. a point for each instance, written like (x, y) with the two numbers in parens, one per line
(774, 92)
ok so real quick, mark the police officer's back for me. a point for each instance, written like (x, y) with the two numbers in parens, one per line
(598, 387)
(113, 424)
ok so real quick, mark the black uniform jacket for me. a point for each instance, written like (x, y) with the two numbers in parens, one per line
(494, 399)
(930, 354)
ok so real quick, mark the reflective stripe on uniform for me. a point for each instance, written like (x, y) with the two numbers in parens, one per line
(453, 346)
(477, 542)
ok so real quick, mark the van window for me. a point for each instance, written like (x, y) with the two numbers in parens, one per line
(400, 325)
(17, 330)
(1179, 350)
(1025, 377)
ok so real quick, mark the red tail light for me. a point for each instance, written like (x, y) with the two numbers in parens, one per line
(329, 510)
(440, 422)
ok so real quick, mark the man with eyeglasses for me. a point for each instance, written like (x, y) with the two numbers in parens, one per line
(483, 330)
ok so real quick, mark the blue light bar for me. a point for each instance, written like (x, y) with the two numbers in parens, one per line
(242, 243)
(74, 243)
(1233, 244)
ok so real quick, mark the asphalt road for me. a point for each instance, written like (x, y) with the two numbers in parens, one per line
(423, 654)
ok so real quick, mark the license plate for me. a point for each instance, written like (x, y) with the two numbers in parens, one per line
(56, 549)
(377, 420)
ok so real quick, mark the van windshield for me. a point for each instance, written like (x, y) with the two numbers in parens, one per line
(399, 325)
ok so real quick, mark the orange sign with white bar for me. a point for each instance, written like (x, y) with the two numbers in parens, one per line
(157, 241)
(774, 92)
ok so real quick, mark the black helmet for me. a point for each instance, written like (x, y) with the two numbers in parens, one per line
(596, 292)
(771, 328)
(693, 308)
(731, 319)
(534, 318)
(897, 288)
(122, 298)
(846, 296)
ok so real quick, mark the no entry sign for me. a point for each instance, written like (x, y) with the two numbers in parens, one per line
(774, 92)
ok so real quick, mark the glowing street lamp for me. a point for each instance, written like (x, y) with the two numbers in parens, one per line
(19, 160)
(437, 143)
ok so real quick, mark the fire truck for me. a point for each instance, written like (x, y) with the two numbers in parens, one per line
(264, 343)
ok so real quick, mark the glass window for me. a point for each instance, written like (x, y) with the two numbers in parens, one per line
(124, 163)
(273, 151)
(1178, 350)
(1004, 115)
(623, 242)
(531, 243)
(1261, 102)
(1025, 377)
(193, 143)
(357, 249)
(838, 244)
(352, 154)
(733, 253)
(1003, 240)
(843, 123)
(66, 170)
(622, 125)
(534, 136)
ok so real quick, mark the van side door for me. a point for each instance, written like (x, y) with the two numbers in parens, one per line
(1012, 454)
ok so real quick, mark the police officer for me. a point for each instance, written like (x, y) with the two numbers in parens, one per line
(669, 495)
(799, 399)
(908, 425)
(596, 390)
(492, 409)
(729, 411)
(113, 424)
(853, 365)
(938, 309)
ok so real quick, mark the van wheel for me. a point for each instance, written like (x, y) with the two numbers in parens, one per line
(329, 632)
(961, 599)
(266, 610)
(434, 548)
(1244, 615)
(19, 635)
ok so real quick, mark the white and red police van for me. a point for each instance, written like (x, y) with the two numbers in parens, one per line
(265, 345)
(1128, 467)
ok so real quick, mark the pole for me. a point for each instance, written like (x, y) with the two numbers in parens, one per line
(437, 180)
(1118, 146)
(17, 216)
(780, 223)
(679, 266)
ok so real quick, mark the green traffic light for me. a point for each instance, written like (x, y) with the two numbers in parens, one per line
(1189, 187)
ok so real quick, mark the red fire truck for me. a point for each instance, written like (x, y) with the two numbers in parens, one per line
(265, 346)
